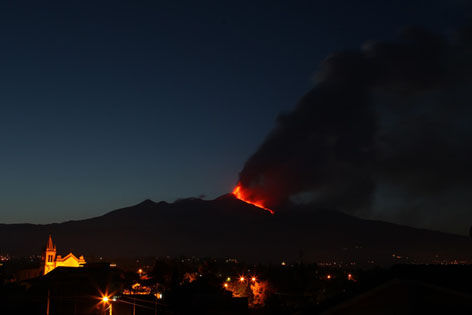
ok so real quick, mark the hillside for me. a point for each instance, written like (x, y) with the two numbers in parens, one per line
(227, 226)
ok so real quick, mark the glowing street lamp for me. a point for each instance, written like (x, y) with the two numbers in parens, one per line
(253, 279)
(242, 279)
(106, 301)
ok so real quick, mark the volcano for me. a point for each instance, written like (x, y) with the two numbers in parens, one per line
(229, 227)
(239, 193)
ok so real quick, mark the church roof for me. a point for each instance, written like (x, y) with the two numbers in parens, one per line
(68, 256)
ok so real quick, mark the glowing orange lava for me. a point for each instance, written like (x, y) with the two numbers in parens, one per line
(241, 195)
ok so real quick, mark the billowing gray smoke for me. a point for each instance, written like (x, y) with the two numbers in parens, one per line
(385, 132)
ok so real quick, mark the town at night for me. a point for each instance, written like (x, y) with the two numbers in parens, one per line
(235, 157)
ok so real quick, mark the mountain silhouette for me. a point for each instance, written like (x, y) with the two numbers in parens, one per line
(228, 227)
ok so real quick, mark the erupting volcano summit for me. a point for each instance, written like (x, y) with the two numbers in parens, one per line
(243, 195)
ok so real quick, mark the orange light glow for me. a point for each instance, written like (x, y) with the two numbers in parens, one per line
(105, 299)
(241, 195)
(328, 277)
(253, 279)
(349, 277)
(225, 285)
(242, 279)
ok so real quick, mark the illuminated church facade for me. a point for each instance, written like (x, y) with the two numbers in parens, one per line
(50, 260)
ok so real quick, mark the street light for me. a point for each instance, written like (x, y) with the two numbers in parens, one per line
(106, 301)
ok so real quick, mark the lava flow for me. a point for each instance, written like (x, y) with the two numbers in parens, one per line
(239, 193)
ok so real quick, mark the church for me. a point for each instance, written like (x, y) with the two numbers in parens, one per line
(50, 261)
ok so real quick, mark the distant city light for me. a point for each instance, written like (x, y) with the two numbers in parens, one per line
(283, 263)
(105, 299)
(225, 285)
(242, 279)
(328, 277)
(253, 279)
(228, 279)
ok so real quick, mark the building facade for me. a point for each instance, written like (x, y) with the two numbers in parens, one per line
(50, 260)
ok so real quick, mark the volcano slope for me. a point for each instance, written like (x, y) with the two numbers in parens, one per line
(228, 227)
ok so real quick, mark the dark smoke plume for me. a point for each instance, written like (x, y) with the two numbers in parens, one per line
(384, 132)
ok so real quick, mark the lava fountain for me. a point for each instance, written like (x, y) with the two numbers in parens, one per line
(242, 195)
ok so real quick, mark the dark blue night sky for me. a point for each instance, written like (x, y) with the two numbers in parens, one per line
(103, 105)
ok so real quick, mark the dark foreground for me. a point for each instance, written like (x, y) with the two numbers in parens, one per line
(210, 286)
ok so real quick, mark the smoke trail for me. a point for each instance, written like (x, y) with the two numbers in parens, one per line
(390, 117)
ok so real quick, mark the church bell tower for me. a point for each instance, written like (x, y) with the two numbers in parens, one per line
(49, 256)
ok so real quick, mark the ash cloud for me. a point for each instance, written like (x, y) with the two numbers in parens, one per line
(385, 132)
